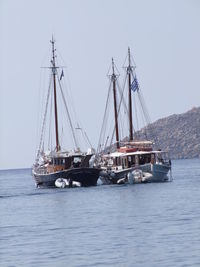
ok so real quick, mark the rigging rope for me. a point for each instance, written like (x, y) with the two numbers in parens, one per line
(144, 109)
(69, 118)
(67, 84)
(102, 132)
(136, 116)
(44, 118)
(50, 115)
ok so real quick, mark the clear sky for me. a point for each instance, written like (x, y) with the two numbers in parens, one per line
(164, 37)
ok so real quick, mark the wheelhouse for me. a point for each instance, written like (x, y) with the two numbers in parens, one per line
(132, 159)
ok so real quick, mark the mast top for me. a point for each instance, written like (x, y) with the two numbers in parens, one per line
(130, 64)
(53, 55)
(129, 57)
(52, 39)
(113, 66)
(112, 72)
(129, 68)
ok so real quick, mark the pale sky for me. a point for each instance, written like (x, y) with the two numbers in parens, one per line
(164, 37)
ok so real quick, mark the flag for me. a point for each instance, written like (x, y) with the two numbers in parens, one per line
(61, 75)
(135, 85)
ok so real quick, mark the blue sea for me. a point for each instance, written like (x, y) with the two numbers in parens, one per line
(155, 224)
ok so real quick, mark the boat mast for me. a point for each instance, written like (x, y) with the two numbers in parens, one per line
(129, 70)
(55, 98)
(114, 78)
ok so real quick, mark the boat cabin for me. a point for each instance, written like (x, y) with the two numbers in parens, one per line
(119, 160)
(62, 162)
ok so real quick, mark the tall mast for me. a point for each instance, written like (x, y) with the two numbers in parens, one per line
(129, 70)
(113, 78)
(55, 98)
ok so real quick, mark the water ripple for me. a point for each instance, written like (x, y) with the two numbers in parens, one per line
(147, 225)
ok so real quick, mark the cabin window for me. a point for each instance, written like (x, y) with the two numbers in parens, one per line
(68, 162)
(58, 161)
(124, 162)
(77, 159)
(142, 160)
(160, 158)
(133, 160)
(136, 159)
(152, 158)
(117, 161)
(76, 162)
(147, 158)
(128, 162)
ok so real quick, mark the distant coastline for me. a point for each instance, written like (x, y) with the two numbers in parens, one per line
(179, 134)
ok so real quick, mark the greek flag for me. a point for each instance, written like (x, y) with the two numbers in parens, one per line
(62, 74)
(135, 85)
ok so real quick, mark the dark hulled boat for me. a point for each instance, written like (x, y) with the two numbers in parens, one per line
(73, 165)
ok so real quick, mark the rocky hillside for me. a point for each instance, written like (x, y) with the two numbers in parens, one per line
(179, 134)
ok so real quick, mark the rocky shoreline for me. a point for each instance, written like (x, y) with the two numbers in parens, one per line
(179, 134)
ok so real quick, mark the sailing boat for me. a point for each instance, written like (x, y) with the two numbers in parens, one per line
(133, 159)
(66, 167)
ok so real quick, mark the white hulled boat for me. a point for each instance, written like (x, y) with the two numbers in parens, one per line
(131, 159)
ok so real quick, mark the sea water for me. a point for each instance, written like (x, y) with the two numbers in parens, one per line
(155, 224)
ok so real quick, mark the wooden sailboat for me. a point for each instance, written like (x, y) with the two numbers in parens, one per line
(132, 160)
(74, 165)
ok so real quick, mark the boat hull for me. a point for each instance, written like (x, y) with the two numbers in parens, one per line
(85, 176)
(158, 173)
